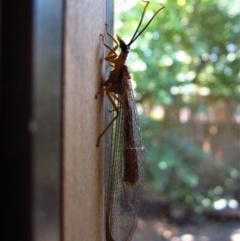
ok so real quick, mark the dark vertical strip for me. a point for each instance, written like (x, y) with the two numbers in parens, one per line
(46, 120)
(109, 21)
(61, 223)
(15, 115)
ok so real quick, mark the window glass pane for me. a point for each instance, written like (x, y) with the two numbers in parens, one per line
(186, 79)
(46, 124)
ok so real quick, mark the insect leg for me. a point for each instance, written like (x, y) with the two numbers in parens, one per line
(112, 51)
(110, 36)
(111, 96)
(115, 98)
(103, 90)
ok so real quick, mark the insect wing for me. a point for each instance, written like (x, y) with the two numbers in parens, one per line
(125, 167)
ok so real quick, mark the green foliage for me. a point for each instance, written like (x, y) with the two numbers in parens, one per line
(188, 43)
(190, 49)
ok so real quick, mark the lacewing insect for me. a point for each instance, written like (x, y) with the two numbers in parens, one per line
(125, 177)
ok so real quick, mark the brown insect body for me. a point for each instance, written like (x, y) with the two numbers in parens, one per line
(125, 167)
(125, 176)
(130, 156)
(131, 173)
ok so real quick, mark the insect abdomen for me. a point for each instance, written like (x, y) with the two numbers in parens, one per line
(131, 169)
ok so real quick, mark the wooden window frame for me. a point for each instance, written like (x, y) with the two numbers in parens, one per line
(52, 66)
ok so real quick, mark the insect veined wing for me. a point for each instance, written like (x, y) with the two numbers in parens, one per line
(126, 165)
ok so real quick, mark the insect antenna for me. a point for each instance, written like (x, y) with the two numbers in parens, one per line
(135, 35)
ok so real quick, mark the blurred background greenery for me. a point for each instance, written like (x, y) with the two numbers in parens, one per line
(185, 71)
